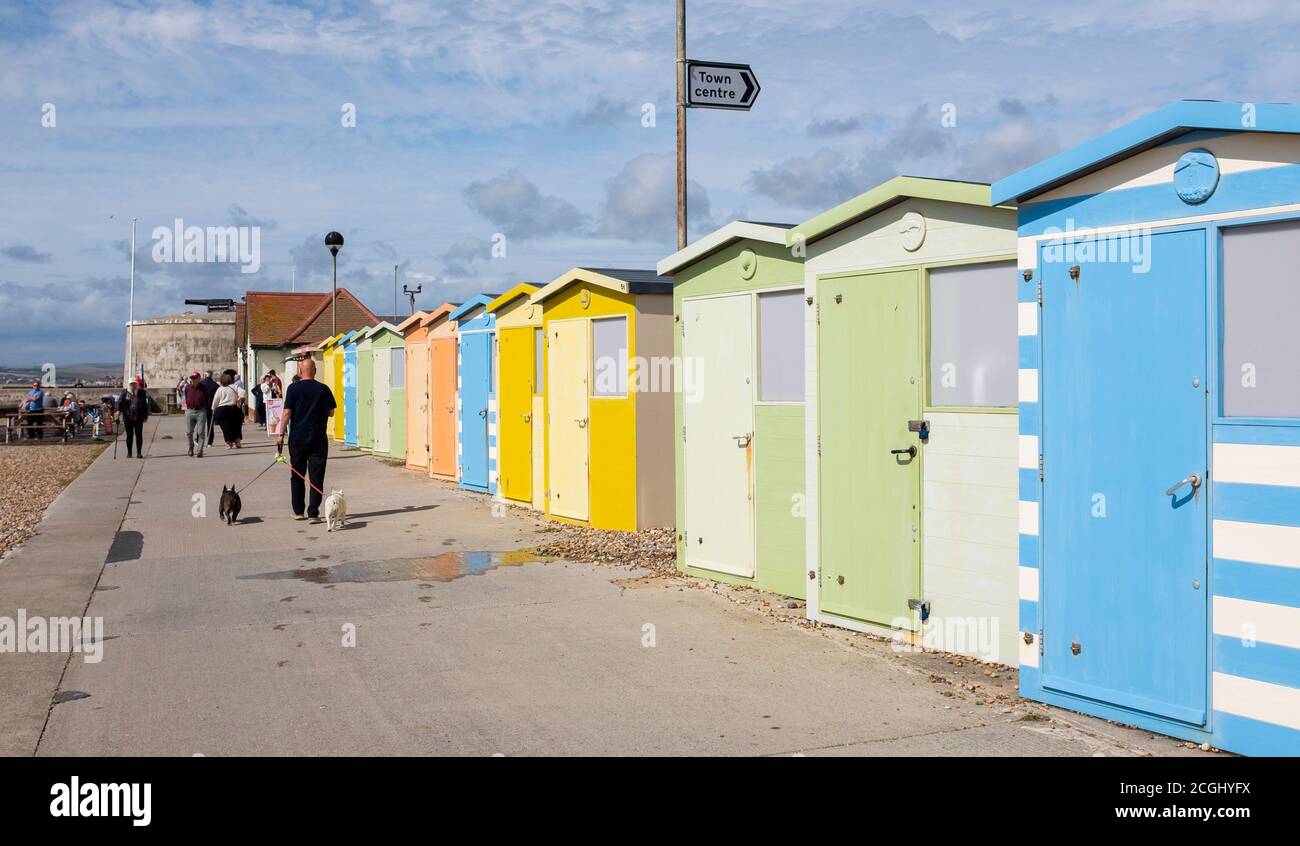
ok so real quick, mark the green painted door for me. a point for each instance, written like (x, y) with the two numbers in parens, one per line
(869, 386)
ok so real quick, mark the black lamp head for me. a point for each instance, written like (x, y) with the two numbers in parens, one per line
(334, 241)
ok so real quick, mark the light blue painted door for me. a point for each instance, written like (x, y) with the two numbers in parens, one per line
(1123, 391)
(350, 396)
(475, 387)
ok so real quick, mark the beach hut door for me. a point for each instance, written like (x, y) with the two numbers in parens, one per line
(475, 384)
(515, 399)
(870, 382)
(719, 434)
(350, 395)
(417, 398)
(568, 375)
(383, 393)
(1124, 501)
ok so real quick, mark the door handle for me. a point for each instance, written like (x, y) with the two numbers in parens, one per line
(742, 441)
(1194, 480)
(483, 414)
(910, 452)
(581, 421)
(528, 418)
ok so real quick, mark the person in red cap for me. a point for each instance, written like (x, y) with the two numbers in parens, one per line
(196, 414)
(133, 406)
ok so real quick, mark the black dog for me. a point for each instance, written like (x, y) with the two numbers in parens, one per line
(229, 505)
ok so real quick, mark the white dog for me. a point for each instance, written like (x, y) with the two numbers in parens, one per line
(336, 511)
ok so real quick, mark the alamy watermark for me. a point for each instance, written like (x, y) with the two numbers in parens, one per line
(1074, 245)
(973, 636)
(23, 634)
(198, 244)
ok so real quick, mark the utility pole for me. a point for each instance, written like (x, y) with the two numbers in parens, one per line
(681, 124)
(130, 314)
(293, 279)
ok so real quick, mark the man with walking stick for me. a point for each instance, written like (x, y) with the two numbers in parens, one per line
(308, 406)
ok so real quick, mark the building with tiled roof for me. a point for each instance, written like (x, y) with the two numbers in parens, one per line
(273, 326)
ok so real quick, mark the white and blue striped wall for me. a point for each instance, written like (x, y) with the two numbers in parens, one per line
(1030, 487)
(1255, 580)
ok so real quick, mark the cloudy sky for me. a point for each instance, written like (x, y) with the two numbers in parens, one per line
(526, 119)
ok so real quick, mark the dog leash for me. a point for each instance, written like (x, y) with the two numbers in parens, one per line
(260, 475)
(279, 457)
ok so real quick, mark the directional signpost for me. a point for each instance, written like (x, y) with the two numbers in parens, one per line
(720, 85)
(704, 85)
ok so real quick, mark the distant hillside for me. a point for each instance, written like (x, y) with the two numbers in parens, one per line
(65, 374)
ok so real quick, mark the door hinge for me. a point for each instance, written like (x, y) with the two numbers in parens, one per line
(683, 434)
(1040, 292)
(1040, 641)
(819, 444)
(819, 314)
(1040, 467)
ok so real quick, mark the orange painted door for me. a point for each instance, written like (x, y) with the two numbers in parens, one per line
(417, 405)
(442, 407)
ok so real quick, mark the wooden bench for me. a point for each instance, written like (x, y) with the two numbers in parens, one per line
(18, 424)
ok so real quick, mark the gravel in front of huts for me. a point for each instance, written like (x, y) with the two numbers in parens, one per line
(654, 549)
(31, 476)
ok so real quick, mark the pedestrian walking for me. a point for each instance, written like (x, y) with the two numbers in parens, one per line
(196, 414)
(226, 413)
(210, 386)
(259, 402)
(133, 405)
(308, 406)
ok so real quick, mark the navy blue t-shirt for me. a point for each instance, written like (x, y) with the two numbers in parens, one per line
(311, 403)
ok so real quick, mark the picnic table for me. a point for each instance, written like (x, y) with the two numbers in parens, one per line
(53, 420)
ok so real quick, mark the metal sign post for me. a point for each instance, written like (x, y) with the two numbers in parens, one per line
(704, 85)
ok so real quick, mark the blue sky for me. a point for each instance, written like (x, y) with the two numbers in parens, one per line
(525, 118)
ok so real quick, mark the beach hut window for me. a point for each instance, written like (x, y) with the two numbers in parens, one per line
(1261, 304)
(780, 346)
(973, 336)
(609, 361)
(539, 360)
(398, 372)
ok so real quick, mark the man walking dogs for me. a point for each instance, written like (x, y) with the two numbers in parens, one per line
(308, 406)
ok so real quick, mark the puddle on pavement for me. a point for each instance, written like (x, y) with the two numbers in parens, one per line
(444, 567)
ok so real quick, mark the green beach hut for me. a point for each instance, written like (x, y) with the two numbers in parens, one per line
(388, 354)
(738, 304)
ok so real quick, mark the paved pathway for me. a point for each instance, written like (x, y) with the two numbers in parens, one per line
(230, 640)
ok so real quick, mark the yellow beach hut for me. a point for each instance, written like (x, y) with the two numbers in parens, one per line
(329, 349)
(520, 402)
(609, 398)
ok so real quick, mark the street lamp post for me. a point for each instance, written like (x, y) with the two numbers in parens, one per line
(335, 243)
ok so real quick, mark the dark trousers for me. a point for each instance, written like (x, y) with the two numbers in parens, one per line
(134, 431)
(309, 460)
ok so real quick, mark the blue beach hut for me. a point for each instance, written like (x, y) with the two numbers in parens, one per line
(350, 387)
(1159, 449)
(476, 413)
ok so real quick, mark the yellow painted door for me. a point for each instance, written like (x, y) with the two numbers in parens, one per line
(515, 404)
(568, 416)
